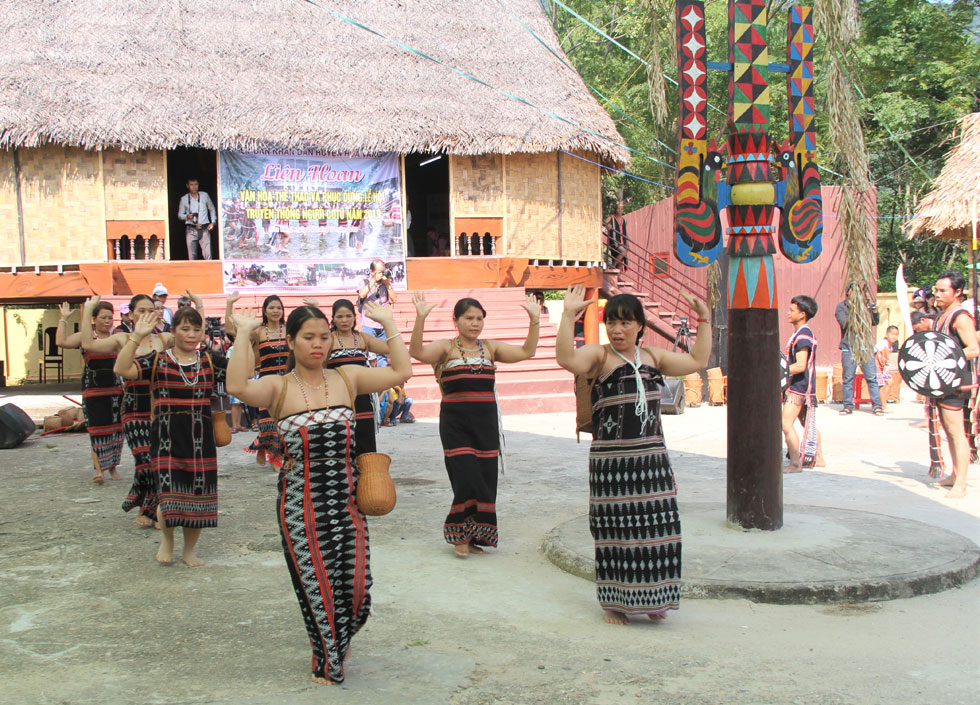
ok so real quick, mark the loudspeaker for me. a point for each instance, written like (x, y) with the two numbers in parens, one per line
(15, 426)
(672, 397)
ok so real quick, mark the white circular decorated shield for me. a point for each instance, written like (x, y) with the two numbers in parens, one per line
(933, 364)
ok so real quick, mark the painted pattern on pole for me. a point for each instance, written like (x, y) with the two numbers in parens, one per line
(698, 240)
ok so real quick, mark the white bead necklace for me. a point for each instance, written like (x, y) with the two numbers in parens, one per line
(180, 368)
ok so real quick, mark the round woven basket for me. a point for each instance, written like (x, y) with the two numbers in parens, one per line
(375, 488)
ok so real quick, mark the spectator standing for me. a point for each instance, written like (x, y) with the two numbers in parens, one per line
(197, 211)
(377, 289)
(160, 294)
(843, 314)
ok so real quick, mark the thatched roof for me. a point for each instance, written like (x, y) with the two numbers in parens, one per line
(287, 74)
(945, 211)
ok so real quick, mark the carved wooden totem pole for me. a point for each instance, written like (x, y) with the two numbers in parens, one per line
(750, 194)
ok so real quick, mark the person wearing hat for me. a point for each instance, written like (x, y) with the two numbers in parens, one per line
(125, 320)
(197, 211)
(922, 300)
(160, 294)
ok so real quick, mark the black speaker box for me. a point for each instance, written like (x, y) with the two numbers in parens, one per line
(672, 397)
(15, 426)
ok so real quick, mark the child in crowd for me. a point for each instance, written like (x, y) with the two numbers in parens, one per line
(884, 348)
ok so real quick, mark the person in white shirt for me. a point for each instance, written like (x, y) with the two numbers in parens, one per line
(199, 215)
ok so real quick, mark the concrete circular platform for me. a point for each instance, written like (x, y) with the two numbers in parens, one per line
(821, 554)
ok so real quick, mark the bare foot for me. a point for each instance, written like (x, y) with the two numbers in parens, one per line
(323, 681)
(98, 478)
(792, 467)
(165, 554)
(821, 463)
(476, 549)
(956, 492)
(260, 457)
(657, 617)
(947, 481)
(144, 521)
(114, 475)
(616, 617)
(192, 561)
(462, 550)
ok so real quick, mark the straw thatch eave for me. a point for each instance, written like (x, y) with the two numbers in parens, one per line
(287, 74)
(946, 210)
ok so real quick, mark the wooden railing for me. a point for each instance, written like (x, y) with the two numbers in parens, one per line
(136, 239)
(658, 276)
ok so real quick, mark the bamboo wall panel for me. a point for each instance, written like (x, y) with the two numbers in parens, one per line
(62, 194)
(581, 215)
(533, 223)
(135, 185)
(478, 186)
(9, 232)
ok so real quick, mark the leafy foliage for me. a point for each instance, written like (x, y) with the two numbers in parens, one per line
(916, 65)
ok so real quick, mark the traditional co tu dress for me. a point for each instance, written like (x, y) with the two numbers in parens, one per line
(633, 513)
(136, 427)
(182, 451)
(324, 534)
(101, 406)
(469, 427)
(273, 354)
(365, 430)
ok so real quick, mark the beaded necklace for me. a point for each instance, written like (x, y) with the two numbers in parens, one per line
(279, 332)
(344, 345)
(303, 385)
(462, 355)
(180, 368)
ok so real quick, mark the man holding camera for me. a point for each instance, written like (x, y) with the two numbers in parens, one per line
(377, 288)
(848, 362)
(197, 211)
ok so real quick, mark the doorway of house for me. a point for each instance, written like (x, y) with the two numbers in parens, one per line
(427, 190)
(183, 164)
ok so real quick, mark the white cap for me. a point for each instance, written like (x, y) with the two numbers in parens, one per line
(160, 290)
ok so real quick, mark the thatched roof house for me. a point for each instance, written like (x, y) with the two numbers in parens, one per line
(293, 75)
(946, 210)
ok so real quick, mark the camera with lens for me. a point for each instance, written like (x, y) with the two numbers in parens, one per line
(388, 274)
(192, 218)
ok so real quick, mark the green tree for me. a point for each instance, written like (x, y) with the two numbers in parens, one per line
(916, 65)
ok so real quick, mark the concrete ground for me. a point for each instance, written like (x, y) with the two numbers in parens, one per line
(86, 616)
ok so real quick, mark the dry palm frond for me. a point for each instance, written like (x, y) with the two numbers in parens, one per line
(656, 83)
(837, 22)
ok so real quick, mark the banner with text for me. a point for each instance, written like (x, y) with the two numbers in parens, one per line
(309, 222)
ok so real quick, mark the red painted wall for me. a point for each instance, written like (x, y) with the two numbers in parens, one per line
(653, 228)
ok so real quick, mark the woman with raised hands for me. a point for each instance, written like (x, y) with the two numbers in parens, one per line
(469, 418)
(101, 389)
(183, 455)
(324, 534)
(633, 513)
(348, 346)
(135, 405)
(268, 340)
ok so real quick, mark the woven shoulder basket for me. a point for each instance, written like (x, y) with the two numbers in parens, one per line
(375, 492)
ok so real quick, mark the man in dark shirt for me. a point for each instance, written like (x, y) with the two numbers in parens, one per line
(848, 362)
